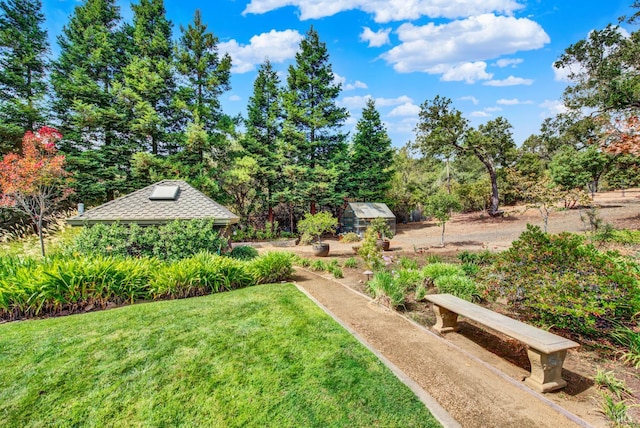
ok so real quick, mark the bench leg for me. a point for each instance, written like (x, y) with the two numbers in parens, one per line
(546, 370)
(446, 320)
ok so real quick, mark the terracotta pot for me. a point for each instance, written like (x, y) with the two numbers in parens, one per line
(321, 250)
(384, 244)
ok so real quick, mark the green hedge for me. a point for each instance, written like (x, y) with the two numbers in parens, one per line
(172, 241)
(561, 281)
(67, 283)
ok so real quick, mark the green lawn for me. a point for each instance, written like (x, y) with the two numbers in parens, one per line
(261, 356)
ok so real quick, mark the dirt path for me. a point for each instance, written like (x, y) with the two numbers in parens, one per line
(471, 391)
(465, 376)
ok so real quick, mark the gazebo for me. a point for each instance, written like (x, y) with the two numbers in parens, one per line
(157, 204)
(358, 215)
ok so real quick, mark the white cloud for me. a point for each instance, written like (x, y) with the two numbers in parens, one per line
(493, 109)
(235, 97)
(377, 38)
(429, 47)
(406, 109)
(355, 85)
(471, 98)
(340, 80)
(470, 72)
(361, 101)
(509, 81)
(405, 126)
(277, 46)
(480, 113)
(506, 62)
(386, 10)
(552, 108)
(512, 102)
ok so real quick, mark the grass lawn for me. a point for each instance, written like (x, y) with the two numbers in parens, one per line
(260, 356)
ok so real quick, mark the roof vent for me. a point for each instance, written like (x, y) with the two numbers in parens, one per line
(165, 193)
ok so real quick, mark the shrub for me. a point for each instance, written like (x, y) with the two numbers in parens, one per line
(350, 237)
(272, 267)
(458, 285)
(561, 281)
(318, 266)
(336, 271)
(370, 252)
(383, 288)
(315, 225)
(351, 263)
(243, 252)
(629, 339)
(200, 274)
(479, 258)
(435, 270)
(408, 279)
(173, 241)
(408, 263)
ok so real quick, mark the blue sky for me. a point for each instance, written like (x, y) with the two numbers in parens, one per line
(491, 57)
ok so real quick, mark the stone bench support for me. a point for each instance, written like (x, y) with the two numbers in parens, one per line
(546, 351)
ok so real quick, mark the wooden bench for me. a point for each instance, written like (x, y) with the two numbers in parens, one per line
(546, 351)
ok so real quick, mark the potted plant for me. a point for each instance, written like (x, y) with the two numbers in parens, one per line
(381, 227)
(314, 226)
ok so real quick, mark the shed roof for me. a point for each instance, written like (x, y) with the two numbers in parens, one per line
(146, 207)
(371, 210)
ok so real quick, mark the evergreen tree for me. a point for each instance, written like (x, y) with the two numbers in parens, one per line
(264, 132)
(149, 86)
(205, 76)
(371, 158)
(313, 122)
(94, 50)
(23, 66)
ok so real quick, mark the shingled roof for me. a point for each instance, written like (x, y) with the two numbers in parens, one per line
(158, 203)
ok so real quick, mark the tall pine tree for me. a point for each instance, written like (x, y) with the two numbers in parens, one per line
(148, 87)
(263, 137)
(23, 67)
(94, 48)
(371, 158)
(205, 76)
(313, 122)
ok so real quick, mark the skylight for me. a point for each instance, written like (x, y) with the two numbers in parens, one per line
(165, 193)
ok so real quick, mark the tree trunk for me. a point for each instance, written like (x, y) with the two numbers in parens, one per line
(313, 207)
(495, 199)
(40, 234)
(442, 237)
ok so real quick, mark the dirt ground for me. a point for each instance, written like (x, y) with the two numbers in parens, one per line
(465, 372)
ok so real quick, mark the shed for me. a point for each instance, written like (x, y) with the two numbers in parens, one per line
(357, 216)
(159, 203)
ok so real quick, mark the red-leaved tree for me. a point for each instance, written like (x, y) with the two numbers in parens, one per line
(35, 181)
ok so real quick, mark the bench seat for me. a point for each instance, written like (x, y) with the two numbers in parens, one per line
(546, 350)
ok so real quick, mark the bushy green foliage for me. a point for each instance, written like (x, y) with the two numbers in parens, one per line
(173, 241)
(271, 267)
(407, 263)
(370, 252)
(458, 285)
(350, 237)
(66, 283)
(559, 280)
(351, 263)
(381, 227)
(479, 258)
(434, 271)
(408, 279)
(384, 289)
(243, 252)
(630, 340)
(269, 233)
(318, 266)
(315, 225)
(198, 275)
